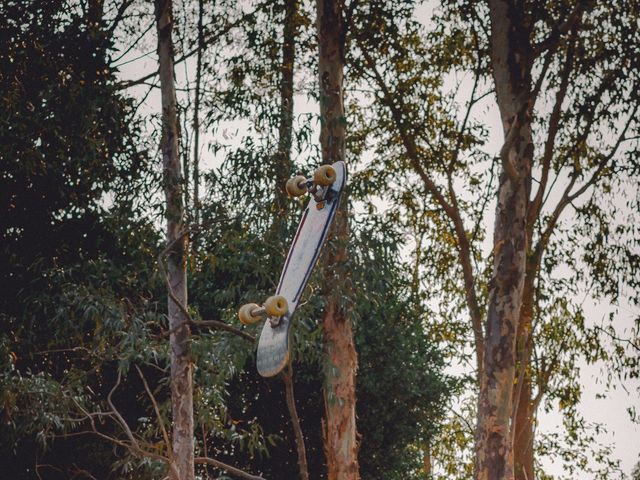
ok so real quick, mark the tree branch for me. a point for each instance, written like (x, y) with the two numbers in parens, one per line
(228, 468)
(549, 146)
(190, 321)
(217, 324)
(287, 377)
(156, 409)
(208, 40)
(569, 197)
(450, 209)
(552, 40)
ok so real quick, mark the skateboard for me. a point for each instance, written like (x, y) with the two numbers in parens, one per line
(325, 189)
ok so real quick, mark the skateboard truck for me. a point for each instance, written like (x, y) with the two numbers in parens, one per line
(326, 186)
(318, 186)
(275, 308)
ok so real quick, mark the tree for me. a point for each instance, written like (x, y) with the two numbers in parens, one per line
(584, 88)
(510, 57)
(181, 364)
(340, 360)
(76, 233)
(86, 345)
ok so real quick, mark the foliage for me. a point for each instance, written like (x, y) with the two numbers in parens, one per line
(80, 262)
(83, 301)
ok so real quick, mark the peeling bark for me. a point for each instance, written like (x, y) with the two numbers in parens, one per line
(181, 367)
(523, 414)
(340, 359)
(511, 55)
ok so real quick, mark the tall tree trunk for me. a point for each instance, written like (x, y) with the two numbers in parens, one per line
(283, 165)
(523, 414)
(196, 118)
(181, 369)
(340, 360)
(511, 55)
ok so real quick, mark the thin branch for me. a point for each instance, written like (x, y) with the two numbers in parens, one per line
(554, 125)
(631, 343)
(228, 468)
(569, 197)
(408, 141)
(287, 377)
(119, 15)
(210, 39)
(552, 40)
(133, 44)
(156, 409)
(118, 416)
(190, 321)
(450, 209)
(217, 324)
(543, 73)
(472, 101)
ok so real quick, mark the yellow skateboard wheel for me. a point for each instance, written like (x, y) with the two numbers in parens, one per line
(245, 314)
(295, 186)
(324, 175)
(276, 306)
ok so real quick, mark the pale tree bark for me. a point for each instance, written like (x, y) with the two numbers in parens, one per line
(523, 418)
(524, 413)
(340, 359)
(181, 367)
(511, 55)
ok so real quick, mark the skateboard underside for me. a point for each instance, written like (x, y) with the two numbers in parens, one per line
(274, 343)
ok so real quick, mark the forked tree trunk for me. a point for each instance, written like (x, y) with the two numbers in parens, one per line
(181, 373)
(510, 57)
(340, 360)
(523, 415)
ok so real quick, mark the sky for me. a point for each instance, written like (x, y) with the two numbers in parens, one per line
(597, 404)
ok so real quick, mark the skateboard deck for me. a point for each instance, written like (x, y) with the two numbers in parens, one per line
(274, 347)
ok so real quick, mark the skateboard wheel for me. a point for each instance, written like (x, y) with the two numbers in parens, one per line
(296, 186)
(324, 175)
(276, 306)
(245, 315)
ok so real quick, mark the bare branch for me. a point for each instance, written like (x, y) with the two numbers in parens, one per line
(132, 44)
(554, 124)
(552, 40)
(287, 377)
(219, 33)
(543, 73)
(217, 324)
(569, 195)
(119, 15)
(156, 409)
(123, 424)
(618, 339)
(228, 468)
(451, 209)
